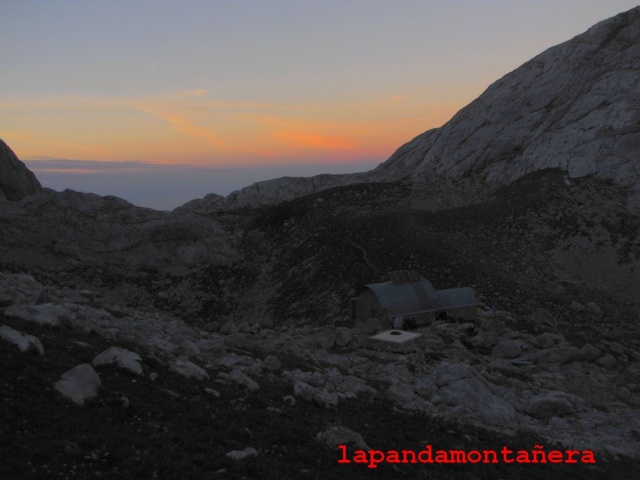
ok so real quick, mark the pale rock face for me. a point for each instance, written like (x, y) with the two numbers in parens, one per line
(16, 180)
(79, 384)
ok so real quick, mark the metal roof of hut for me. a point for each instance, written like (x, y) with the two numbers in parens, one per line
(408, 293)
(403, 298)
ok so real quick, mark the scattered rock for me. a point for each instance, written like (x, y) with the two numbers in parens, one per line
(313, 395)
(589, 353)
(188, 369)
(354, 387)
(18, 288)
(607, 361)
(343, 336)
(548, 405)
(23, 341)
(508, 348)
(476, 400)
(242, 454)
(542, 320)
(369, 327)
(212, 392)
(593, 307)
(493, 324)
(234, 359)
(229, 328)
(404, 396)
(484, 340)
(425, 387)
(577, 307)
(79, 384)
(332, 360)
(120, 357)
(272, 364)
(447, 372)
(339, 435)
(240, 378)
(557, 355)
(45, 314)
(616, 348)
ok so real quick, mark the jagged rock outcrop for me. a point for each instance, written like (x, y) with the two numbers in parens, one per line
(16, 180)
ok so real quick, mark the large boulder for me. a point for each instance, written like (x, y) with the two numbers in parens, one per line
(79, 384)
(23, 341)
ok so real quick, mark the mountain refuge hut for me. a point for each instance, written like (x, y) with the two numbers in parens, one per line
(408, 300)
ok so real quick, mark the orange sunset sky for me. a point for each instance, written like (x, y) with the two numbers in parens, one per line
(248, 83)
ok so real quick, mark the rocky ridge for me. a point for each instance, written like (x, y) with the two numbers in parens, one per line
(63, 228)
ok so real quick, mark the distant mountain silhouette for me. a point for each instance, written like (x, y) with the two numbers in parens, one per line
(16, 180)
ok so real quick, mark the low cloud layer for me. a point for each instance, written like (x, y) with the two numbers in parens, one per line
(165, 187)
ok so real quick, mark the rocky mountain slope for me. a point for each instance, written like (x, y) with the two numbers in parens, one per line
(575, 107)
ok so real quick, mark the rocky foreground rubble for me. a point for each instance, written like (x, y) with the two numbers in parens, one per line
(503, 373)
